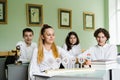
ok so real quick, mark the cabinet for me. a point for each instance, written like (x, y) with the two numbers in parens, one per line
(17, 72)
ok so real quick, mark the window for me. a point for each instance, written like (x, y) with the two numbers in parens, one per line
(117, 21)
(114, 21)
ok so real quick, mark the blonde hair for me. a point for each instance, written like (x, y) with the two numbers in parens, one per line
(40, 55)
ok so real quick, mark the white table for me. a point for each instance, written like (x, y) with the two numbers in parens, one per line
(96, 75)
(100, 74)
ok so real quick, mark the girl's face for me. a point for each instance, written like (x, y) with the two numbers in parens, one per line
(28, 36)
(48, 36)
(73, 39)
(101, 39)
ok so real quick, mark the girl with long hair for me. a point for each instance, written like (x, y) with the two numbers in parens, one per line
(47, 56)
(72, 44)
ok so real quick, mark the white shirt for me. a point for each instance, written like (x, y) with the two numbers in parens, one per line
(102, 52)
(26, 52)
(49, 61)
(74, 51)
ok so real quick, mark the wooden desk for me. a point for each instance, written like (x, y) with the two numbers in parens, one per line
(6, 53)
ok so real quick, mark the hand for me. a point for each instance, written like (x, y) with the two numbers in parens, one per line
(88, 62)
(58, 60)
(65, 60)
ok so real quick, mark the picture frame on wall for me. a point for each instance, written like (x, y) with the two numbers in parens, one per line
(3, 11)
(65, 18)
(88, 21)
(34, 13)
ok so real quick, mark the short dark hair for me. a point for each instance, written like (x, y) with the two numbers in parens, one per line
(27, 30)
(104, 31)
(67, 41)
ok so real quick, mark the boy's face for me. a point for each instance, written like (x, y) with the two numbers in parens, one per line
(101, 39)
(28, 36)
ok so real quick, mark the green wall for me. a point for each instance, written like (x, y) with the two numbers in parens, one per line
(106, 13)
(11, 33)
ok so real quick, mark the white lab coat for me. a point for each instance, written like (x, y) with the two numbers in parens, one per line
(74, 51)
(107, 51)
(49, 62)
(26, 52)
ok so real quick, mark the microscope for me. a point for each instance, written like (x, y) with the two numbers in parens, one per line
(17, 55)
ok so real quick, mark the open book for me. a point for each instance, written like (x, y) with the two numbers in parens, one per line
(51, 73)
(43, 74)
(103, 62)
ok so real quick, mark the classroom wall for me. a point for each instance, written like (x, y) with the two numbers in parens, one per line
(11, 32)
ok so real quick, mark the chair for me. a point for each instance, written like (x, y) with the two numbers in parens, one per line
(3, 55)
(118, 54)
(2, 68)
(6, 57)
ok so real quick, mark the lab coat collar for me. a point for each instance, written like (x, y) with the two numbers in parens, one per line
(103, 46)
(45, 50)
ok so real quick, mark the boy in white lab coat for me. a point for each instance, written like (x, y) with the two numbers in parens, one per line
(26, 46)
(103, 50)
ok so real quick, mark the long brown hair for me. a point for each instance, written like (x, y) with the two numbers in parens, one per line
(40, 56)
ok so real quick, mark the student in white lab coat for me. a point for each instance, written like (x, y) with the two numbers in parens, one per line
(26, 46)
(102, 50)
(47, 56)
(72, 44)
